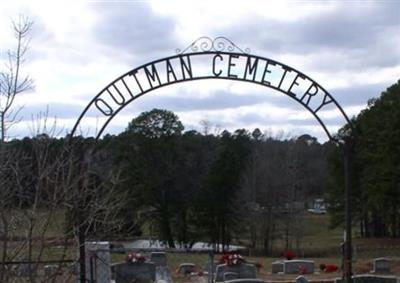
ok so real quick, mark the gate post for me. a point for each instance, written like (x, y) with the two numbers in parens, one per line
(211, 266)
(347, 264)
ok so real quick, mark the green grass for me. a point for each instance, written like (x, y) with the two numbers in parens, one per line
(317, 235)
(51, 225)
(317, 239)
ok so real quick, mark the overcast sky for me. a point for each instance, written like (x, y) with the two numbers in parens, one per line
(77, 47)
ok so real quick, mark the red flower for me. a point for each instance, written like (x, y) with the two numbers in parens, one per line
(231, 259)
(259, 265)
(302, 269)
(330, 268)
(289, 254)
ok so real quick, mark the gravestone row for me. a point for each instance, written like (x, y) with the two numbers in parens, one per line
(157, 271)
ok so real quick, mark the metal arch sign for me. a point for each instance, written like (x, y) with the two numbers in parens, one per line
(210, 59)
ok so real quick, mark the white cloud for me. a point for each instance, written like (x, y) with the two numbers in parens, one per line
(78, 47)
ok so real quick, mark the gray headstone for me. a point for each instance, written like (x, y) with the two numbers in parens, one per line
(50, 270)
(277, 266)
(243, 270)
(301, 279)
(230, 276)
(298, 266)
(128, 272)
(163, 274)
(186, 268)
(98, 261)
(381, 265)
(24, 269)
(369, 278)
(159, 258)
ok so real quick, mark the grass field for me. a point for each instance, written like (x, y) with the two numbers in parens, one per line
(316, 239)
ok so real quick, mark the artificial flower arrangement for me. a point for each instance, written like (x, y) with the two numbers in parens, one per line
(135, 258)
(328, 268)
(235, 258)
(289, 255)
(231, 259)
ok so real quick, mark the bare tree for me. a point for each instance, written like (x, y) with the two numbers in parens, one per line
(12, 82)
(262, 189)
(42, 180)
(274, 187)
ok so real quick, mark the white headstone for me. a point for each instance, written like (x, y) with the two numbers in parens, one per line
(98, 262)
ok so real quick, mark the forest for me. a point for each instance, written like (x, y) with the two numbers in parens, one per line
(157, 180)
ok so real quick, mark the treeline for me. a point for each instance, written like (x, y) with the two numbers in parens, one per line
(156, 179)
(187, 186)
(184, 186)
(375, 183)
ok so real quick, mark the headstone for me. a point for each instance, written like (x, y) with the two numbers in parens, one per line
(245, 280)
(98, 262)
(24, 269)
(51, 270)
(243, 270)
(298, 266)
(277, 266)
(301, 279)
(186, 268)
(381, 265)
(138, 272)
(230, 276)
(163, 275)
(158, 258)
(369, 278)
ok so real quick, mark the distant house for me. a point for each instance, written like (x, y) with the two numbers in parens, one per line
(318, 206)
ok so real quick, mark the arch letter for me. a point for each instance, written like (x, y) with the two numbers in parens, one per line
(220, 71)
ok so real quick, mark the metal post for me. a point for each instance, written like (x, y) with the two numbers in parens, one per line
(211, 267)
(82, 254)
(347, 266)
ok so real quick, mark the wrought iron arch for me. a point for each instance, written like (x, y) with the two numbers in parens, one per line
(256, 69)
(224, 58)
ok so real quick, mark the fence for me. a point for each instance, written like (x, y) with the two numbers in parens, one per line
(41, 271)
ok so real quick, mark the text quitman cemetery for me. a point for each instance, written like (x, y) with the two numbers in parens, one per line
(208, 65)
